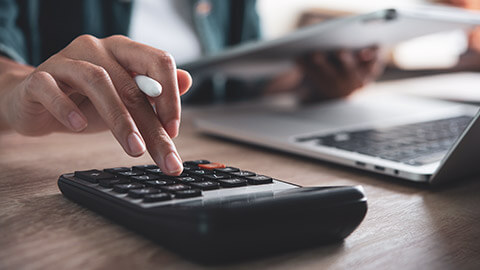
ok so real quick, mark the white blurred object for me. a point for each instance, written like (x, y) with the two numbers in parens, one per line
(148, 85)
(460, 87)
(166, 25)
(279, 17)
(437, 51)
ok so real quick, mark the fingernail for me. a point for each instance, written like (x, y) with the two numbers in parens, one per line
(76, 121)
(172, 128)
(173, 163)
(135, 143)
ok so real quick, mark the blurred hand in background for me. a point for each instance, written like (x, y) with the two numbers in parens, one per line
(474, 37)
(328, 75)
(323, 75)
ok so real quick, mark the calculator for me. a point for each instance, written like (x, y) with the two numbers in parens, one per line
(213, 213)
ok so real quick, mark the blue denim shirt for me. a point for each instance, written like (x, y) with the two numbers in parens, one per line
(33, 30)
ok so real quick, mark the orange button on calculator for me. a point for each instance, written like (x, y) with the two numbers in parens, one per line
(211, 166)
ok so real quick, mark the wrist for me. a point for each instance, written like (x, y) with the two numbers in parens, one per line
(11, 75)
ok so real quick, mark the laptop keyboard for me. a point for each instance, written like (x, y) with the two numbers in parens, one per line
(413, 144)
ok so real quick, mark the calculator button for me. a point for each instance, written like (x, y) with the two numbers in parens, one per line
(131, 173)
(205, 185)
(201, 172)
(227, 170)
(159, 183)
(124, 188)
(189, 193)
(243, 173)
(190, 168)
(176, 187)
(158, 172)
(187, 179)
(154, 170)
(108, 183)
(139, 193)
(116, 170)
(158, 197)
(259, 180)
(195, 162)
(184, 174)
(93, 176)
(232, 182)
(145, 177)
(215, 176)
(144, 167)
(211, 166)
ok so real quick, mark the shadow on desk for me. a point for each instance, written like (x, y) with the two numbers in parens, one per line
(63, 225)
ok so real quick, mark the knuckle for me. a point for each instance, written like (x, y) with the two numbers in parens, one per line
(165, 60)
(97, 73)
(163, 139)
(158, 137)
(87, 42)
(92, 73)
(58, 102)
(119, 121)
(39, 76)
(117, 38)
(37, 79)
(131, 96)
(86, 38)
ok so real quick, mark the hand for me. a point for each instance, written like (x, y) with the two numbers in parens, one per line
(468, 4)
(474, 39)
(474, 36)
(88, 86)
(320, 76)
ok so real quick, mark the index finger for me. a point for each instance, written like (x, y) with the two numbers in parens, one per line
(158, 65)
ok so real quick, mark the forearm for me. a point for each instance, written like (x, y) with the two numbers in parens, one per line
(11, 74)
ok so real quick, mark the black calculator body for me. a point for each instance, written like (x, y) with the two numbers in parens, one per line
(218, 214)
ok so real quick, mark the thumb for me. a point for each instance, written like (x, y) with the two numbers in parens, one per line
(184, 81)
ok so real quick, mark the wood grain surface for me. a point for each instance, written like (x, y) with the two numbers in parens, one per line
(408, 226)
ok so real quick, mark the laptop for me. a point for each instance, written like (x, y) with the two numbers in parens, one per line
(408, 137)
(404, 136)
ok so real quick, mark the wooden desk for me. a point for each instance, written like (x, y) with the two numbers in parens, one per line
(407, 226)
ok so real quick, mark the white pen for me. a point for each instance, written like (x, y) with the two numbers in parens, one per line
(148, 85)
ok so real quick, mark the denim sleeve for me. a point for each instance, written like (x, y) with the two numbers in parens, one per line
(12, 40)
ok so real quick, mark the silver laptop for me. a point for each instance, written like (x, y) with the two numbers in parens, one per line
(408, 137)
(403, 136)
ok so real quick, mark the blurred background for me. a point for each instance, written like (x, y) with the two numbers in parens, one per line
(445, 52)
